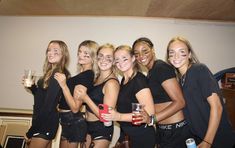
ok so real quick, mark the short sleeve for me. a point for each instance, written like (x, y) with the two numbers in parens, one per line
(163, 71)
(207, 82)
(87, 79)
(140, 82)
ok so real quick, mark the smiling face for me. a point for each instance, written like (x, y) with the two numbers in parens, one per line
(84, 57)
(123, 60)
(105, 59)
(179, 55)
(54, 53)
(144, 54)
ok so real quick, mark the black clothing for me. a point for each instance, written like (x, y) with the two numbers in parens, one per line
(139, 135)
(127, 94)
(74, 126)
(173, 135)
(45, 119)
(84, 78)
(198, 85)
(96, 94)
(160, 72)
(97, 130)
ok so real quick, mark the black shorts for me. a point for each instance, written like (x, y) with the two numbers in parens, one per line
(97, 130)
(140, 136)
(43, 136)
(46, 130)
(74, 126)
(173, 135)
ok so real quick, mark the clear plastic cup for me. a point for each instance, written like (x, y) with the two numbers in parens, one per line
(136, 109)
(29, 76)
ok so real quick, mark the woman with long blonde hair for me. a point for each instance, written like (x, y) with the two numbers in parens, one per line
(45, 120)
(74, 127)
(105, 91)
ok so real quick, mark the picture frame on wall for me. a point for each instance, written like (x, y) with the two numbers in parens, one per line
(14, 141)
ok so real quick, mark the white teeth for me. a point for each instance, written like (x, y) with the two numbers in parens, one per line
(143, 60)
(177, 62)
(103, 64)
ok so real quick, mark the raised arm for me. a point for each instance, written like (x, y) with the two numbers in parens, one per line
(74, 104)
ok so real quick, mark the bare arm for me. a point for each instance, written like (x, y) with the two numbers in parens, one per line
(111, 99)
(174, 91)
(145, 97)
(110, 90)
(74, 104)
(214, 120)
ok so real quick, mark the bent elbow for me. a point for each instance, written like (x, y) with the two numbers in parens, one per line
(182, 104)
(74, 109)
(220, 108)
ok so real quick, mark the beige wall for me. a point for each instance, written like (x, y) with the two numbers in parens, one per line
(23, 42)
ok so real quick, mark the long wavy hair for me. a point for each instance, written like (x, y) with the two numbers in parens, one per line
(61, 66)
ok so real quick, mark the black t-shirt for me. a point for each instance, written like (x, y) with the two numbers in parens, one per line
(84, 78)
(127, 94)
(199, 84)
(160, 72)
(45, 116)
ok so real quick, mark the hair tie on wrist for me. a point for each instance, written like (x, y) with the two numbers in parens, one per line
(207, 142)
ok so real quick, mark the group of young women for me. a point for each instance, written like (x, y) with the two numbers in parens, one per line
(180, 96)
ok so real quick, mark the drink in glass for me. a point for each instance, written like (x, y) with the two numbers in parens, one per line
(136, 109)
(28, 78)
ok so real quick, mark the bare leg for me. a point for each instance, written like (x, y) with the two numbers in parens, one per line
(66, 144)
(88, 141)
(49, 144)
(39, 143)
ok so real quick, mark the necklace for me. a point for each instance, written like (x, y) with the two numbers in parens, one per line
(182, 80)
(183, 77)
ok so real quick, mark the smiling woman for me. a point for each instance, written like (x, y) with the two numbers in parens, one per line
(204, 110)
(167, 96)
(46, 93)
